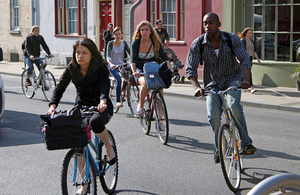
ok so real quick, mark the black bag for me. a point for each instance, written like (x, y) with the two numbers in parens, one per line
(166, 74)
(64, 118)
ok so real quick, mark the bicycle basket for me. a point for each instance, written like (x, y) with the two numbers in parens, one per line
(125, 71)
(64, 137)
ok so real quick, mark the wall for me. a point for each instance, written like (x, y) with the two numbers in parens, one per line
(11, 41)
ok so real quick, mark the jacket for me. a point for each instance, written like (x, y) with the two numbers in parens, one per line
(32, 46)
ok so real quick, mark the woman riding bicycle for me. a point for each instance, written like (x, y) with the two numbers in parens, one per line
(88, 72)
(116, 53)
(32, 50)
(145, 47)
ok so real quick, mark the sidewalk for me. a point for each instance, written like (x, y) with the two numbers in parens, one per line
(281, 98)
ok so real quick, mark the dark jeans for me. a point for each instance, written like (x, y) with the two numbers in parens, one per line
(29, 62)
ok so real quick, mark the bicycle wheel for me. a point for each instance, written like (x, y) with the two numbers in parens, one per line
(28, 90)
(146, 119)
(109, 178)
(230, 158)
(162, 121)
(112, 94)
(133, 98)
(48, 85)
(73, 175)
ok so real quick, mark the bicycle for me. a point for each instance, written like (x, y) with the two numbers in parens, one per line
(129, 92)
(229, 144)
(81, 166)
(45, 80)
(155, 104)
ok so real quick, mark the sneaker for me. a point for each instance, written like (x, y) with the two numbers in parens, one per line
(250, 149)
(217, 157)
(253, 91)
(140, 111)
(28, 82)
(119, 104)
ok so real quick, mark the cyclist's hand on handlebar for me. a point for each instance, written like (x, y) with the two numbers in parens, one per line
(245, 84)
(136, 74)
(199, 92)
(31, 57)
(102, 106)
(51, 109)
(52, 56)
(112, 66)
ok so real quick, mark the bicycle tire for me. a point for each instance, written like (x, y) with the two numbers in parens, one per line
(133, 98)
(162, 121)
(230, 162)
(28, 90)
(48, 84)
(112, 94)
(109, 179)
(145, 120)
(68, 186)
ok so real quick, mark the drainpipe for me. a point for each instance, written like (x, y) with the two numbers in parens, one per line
(132, 18)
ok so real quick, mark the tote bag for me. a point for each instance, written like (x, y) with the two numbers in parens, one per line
(152, 78)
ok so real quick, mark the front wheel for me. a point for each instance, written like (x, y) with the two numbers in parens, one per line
(133, 98)
(162, 121)
(109, 175)
(48, 85)
(28, 88)
(112, 94)
(146, 118)
(230, 158)
(73, 175)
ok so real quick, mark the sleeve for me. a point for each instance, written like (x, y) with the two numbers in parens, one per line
(240, 52)
(28, 46)
(109, 49)
(61, 86)
(134, 50)
(127, 49)
(254, 46)
(167, 35)
(193, 59)
(45, 46)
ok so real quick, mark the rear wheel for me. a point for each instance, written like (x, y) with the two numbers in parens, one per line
(162, 122)
(230, 158)
(133, 95)
(73, 175)
(146, 118)
(28, 89)
(48, 85)
(109, 178)
(112, 94)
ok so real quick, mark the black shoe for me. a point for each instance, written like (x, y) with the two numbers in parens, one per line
(217, 157)
(28, 82)
(250, 149)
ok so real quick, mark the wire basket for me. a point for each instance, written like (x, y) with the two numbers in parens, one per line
(125, 74)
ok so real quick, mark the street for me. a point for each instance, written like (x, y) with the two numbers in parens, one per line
(184, 166)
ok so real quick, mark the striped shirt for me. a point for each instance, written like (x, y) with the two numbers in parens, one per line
(228, 66)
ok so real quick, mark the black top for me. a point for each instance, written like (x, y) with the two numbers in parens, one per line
(90, 89)
(32, 46)
(107, 36)
(135, 48)
(163, 35)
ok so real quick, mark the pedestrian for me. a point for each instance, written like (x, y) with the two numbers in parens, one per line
(89, 74)
(117, 50)
(248, 43)
(220, 70)
(32, 50)
(162, 33)
(108, 36)
(145, 47)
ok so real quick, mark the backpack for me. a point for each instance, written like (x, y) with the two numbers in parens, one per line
(228, 42)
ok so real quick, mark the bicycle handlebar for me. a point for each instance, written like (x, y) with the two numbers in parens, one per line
(205, 92)
(43, 58)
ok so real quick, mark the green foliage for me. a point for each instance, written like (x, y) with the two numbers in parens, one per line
(296, 73)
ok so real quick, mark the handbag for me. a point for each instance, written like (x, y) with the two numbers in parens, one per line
(152, 78)
(166, 74)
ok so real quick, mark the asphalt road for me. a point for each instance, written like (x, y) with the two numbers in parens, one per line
(184, 166)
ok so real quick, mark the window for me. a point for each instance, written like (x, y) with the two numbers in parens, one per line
(171, 12)
(276, 27)
(70, 17)
(128, 2)
(14, 14)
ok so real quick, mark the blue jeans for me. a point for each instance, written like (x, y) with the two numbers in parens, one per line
(116, 75)
(214, 112)
(29, 62)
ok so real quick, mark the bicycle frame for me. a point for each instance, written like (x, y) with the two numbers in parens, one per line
(150, 99)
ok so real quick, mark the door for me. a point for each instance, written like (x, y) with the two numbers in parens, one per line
(126, 19)
(105, 19)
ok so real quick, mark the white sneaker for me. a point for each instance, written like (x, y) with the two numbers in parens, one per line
(253, 91)
(140, 110)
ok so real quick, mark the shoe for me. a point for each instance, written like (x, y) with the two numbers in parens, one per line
(83, 189)
(217, 157)
(140, 111)
(253, 91)
(119, 104)
(28, 82)
(114, 159)
(250, 149)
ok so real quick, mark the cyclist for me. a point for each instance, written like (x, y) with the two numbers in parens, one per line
(89, 73)
(221, 70)
(145, 47)
(32, 50)
(117, 50)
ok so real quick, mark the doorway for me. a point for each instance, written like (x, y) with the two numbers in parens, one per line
(105, 19)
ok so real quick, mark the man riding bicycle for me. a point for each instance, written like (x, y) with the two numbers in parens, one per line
(32, 50)
(219, 51)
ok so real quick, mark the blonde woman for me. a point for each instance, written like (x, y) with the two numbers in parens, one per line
(145, 47)
(245, 37)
